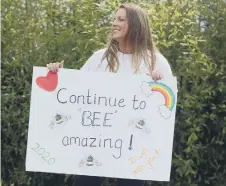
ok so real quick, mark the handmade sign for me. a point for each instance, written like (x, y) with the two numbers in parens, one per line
(101, 124)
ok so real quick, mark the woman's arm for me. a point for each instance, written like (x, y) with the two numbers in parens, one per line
(163, 66)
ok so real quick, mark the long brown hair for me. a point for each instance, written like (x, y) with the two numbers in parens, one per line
(139, 36)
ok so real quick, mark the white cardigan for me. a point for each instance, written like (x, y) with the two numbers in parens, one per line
(125, 64)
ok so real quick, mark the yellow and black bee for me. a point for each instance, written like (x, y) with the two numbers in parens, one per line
(90, 161)
(140, 124)
(59, 119)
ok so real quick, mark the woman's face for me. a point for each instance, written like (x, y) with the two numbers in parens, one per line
(120, 25)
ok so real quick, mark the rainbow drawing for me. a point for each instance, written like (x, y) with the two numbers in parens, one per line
(165, 91)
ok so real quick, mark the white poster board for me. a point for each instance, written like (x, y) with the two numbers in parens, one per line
(101, 124)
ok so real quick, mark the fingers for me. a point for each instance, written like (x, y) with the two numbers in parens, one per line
(156, 76)
(161, 76)
(61, 64)
(54, 67)
(51, 67)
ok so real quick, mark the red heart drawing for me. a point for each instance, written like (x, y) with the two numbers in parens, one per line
(48, 82)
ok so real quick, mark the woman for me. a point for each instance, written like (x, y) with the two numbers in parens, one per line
(130, 51)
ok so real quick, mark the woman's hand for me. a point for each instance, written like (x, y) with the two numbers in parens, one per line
(54, 67)
(156, 75)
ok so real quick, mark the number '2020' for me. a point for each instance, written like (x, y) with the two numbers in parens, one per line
(45, 155)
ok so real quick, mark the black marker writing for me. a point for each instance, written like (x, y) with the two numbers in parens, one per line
(131, 141)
